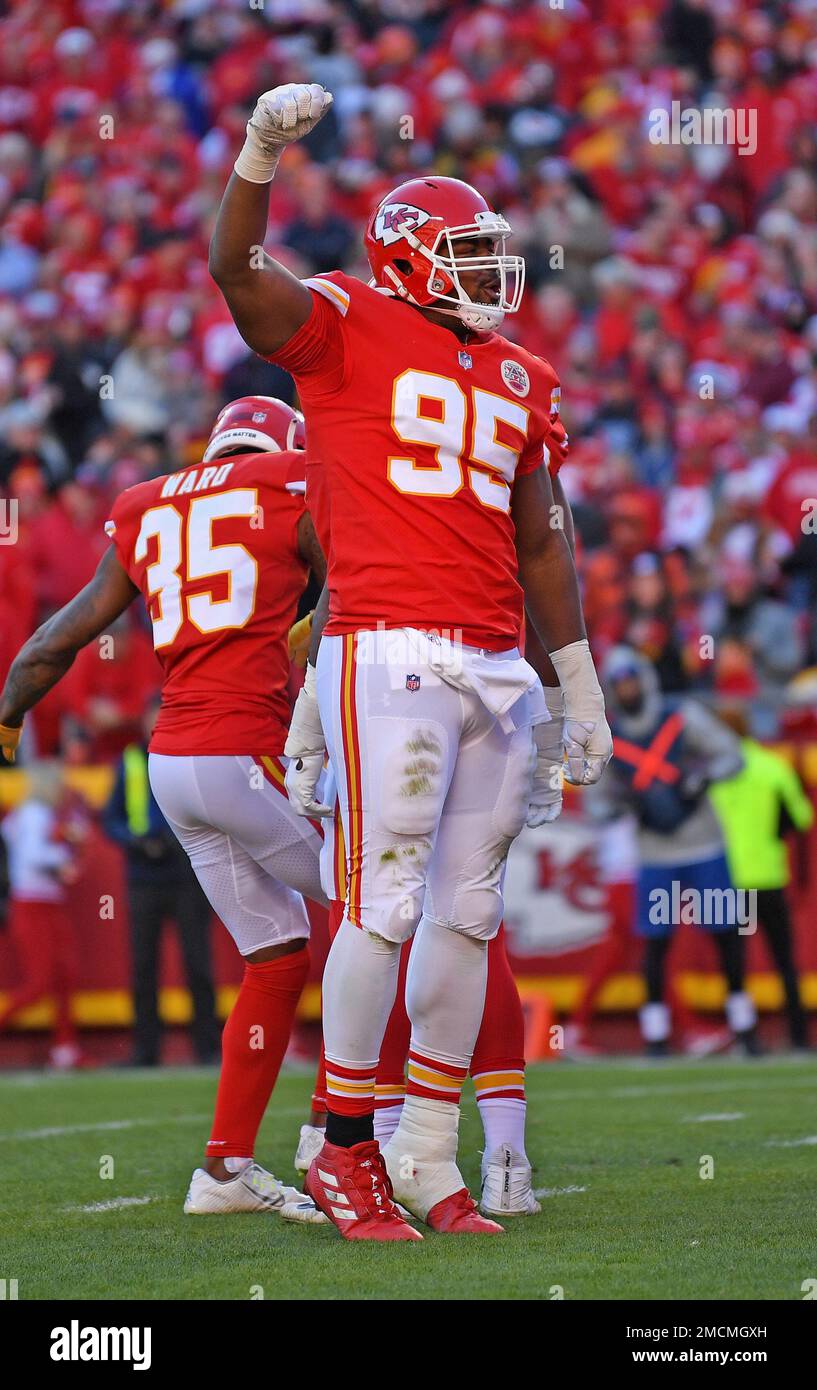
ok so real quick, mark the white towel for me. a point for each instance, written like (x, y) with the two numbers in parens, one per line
(500, 680)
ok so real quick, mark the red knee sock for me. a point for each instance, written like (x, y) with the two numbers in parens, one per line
(253, 1044)
(319, 1090)
(390, 1087)
(498, 1063)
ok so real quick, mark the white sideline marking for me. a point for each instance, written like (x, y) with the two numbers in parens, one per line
(556, 1191)
(114, 1205)
(743, 1083)
(59, 1131)
(715, 1118)
(791, 1143)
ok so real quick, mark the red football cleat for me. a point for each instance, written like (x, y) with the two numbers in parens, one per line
(354, 1190)
(457, 1215)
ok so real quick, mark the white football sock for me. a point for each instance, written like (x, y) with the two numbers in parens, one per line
(359, 985)
(445, 992)
(741, 1013)
(655, 1021)
(503, 1120)
(421, 1156)
(236, 1165)
(386, 1121)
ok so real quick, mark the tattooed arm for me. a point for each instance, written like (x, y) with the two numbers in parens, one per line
(48, 654)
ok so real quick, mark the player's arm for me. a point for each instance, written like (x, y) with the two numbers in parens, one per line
(309, 548)
(267, 302)
(715, 749)
(535, 651)
(564, 513)
(548, 577)
(306, 744)
(48, 654)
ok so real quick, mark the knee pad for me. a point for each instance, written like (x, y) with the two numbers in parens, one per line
(513, 797)
(397, 878)
(479, 907)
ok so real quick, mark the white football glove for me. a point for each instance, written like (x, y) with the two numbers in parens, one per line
(546, 797)
(281, 116)
(305, 747)
(587, 738)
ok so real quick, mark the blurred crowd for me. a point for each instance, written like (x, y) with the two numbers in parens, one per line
(674, 287)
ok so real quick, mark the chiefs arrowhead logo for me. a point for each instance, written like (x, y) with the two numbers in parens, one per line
(395, 218)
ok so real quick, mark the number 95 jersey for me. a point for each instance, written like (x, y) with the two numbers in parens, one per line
(419, 436)
(214, 551)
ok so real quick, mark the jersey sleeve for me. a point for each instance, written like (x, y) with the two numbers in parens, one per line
(120, 528)
(532, 456)
(795, 800)
(318, 355)
(548, 442)
(291, 501)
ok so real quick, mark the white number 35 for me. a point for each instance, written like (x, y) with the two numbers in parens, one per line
(200, 559)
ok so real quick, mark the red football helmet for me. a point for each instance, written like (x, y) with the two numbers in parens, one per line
(256, 423)
(411, 243)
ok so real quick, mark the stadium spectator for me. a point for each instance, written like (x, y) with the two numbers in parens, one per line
(673, 286)
(43, 837)
(667, 265)
(757, 808)
(666, 754)
(161, 888)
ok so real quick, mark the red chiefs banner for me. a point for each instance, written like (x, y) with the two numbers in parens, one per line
(562, 883)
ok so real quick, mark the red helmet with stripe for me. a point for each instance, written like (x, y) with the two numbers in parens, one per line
(256, 423)
(413, 242)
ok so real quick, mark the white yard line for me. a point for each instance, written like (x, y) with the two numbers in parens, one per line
(681, 1088)
(714, 1118)
(115, 1204)
(556, 1191)
(809, 1141)
(59, 1131)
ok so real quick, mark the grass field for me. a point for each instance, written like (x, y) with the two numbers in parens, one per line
(618, 1148)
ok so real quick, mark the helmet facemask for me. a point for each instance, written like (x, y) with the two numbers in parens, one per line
(445, 286)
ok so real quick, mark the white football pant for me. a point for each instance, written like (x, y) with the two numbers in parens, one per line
(253, 856)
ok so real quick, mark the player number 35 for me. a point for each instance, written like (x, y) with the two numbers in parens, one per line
(195, 553)
(490, 464)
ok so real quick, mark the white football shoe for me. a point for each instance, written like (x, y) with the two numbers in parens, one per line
(253, 1189)
(506, 1184)
(303, 1210)
(310, 1144)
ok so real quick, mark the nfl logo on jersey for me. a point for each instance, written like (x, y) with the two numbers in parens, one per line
(412, 682)
(466, 360)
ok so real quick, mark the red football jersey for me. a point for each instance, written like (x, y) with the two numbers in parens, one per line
(214, 550)
(420, 437)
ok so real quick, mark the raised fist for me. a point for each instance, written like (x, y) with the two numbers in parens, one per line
(287, 113)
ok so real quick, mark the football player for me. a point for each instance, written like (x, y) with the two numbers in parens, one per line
(431, 429)
(498, 1062)
(221, 553)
